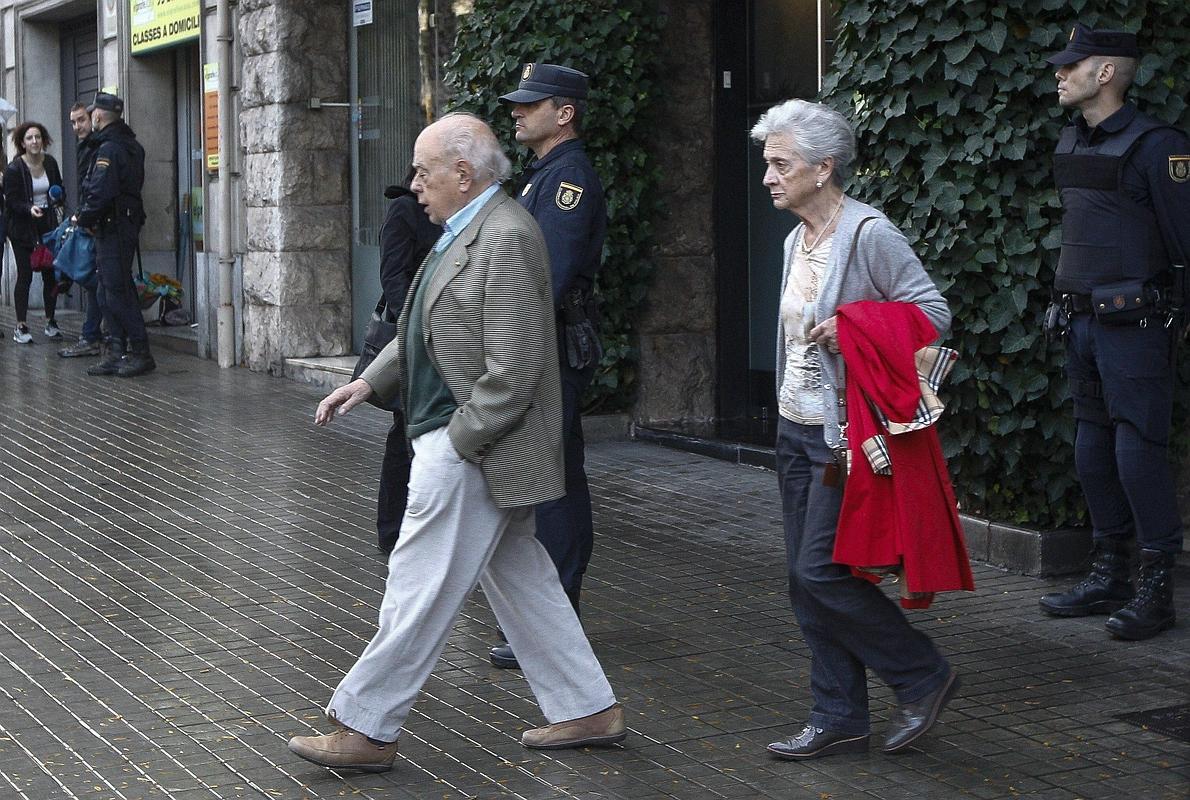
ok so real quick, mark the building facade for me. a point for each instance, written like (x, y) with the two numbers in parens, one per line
(326, 99)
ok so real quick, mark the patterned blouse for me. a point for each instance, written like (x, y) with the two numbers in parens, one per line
(800, 397)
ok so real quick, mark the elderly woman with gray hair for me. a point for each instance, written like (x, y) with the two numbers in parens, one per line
(842, 251)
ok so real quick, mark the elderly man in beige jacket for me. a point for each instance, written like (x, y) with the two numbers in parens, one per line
(475, 361)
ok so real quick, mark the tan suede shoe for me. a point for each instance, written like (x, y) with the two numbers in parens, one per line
(345, 749)
(606, 727)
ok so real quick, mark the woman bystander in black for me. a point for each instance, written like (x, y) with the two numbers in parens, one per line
(30, 213)
(405, 238)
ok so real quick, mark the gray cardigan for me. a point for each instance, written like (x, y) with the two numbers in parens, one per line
(885, 268)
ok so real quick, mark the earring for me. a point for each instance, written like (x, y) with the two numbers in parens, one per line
(818, 184)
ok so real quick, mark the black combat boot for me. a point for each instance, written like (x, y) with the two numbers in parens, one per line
(1151, 611)
(111, 360)
(137, 361)
(1104, 591)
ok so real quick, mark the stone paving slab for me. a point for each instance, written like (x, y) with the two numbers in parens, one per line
(187, 569)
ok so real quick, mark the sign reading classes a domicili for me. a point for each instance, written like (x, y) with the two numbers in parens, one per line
(164, 23)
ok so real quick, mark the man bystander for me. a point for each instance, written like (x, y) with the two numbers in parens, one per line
(474, 361)
(90, 341)
(563, 193)
(1124, 180)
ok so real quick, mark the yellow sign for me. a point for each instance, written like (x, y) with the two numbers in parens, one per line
(164, 23)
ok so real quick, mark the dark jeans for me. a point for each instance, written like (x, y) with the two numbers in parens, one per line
(848, 623)
(25, 281)
(564, 525)
(1122, 379)
(114, 252)
(91, 325)
(394, 485)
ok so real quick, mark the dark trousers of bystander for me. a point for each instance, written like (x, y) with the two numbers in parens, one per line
(564, 526)
(114, 252)
(23, 255)
(1122, 382)
(394, 485)
(848, 623)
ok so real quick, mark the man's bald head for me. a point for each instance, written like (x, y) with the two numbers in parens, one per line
(455, 159)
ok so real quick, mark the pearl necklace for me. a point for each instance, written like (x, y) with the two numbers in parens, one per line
(809, 248)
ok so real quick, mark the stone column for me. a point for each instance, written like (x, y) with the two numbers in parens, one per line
(296, 181)
(678, 325)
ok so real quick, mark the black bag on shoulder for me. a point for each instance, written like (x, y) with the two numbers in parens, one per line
(376, 337)
(1125, 302)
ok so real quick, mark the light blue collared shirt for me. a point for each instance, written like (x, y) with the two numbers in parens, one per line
(462, 218)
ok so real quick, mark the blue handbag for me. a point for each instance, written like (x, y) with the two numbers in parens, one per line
(74, 253)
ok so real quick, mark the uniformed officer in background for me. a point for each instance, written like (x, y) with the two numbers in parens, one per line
(111, 206)
(565, 196)
(1124, 180)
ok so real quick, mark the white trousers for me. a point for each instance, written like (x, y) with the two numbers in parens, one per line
(452, 537)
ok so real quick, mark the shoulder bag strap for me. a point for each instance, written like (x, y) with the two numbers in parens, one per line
(841, 378)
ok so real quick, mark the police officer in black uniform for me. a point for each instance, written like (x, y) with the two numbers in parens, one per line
(1124, 180)
(111, 206)
(564, 194)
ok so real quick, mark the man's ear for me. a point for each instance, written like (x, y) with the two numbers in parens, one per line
(565, 114)
(465, 174)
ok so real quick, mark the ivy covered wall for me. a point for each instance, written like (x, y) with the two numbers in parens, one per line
(617, 44)
(957, 116)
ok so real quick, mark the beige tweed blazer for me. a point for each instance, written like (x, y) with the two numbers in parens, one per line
(488, 323)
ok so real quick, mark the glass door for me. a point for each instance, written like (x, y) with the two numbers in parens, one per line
(386, 116)
(774, 52)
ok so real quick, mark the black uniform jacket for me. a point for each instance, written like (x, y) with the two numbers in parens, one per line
(23, 229)
(563, 193)
(113, 186)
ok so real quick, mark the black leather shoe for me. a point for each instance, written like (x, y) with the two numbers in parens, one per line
(502, 657)
(911, 721)
(815, 742)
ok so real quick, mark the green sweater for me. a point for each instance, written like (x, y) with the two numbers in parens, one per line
(429, 403)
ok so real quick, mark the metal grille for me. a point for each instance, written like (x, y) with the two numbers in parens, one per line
(387, 115)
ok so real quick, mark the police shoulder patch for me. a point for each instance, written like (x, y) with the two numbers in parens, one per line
(102, 162)
(568, 196)
(1179, 168)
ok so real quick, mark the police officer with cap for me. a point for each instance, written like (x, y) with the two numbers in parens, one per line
(111, 205)
(564, 194)
(1124, 180)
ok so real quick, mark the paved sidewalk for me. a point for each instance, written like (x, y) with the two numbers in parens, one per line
(187, 568)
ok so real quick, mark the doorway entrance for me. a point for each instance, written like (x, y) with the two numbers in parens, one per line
(386, 116)
(775, 51)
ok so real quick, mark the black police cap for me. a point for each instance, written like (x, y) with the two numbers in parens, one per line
(108, 102)
(539, 81)
(1085, 42)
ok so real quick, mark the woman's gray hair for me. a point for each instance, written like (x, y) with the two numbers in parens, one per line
(816, 132)
(468, 138)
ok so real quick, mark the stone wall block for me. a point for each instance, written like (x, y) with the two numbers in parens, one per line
(278, 279)
(275, 26)
(274, 333)
(678, 323)
(676, 378)
(692, 282)
(295, 178)
(294, 126)
(328, 75)
(332, 276)
(681, 238)
(277, 228)
(281, 77)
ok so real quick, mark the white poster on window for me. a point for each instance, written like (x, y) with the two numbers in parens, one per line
(363, 12)
(111, 19)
